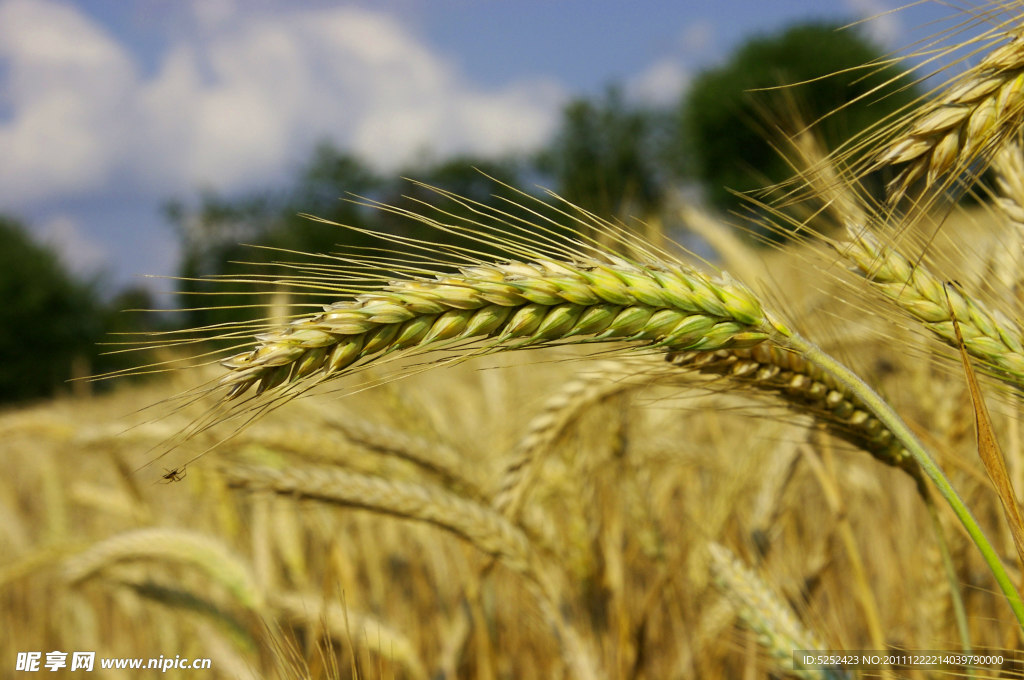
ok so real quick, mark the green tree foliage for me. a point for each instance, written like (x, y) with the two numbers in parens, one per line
(47, 320)
(237, 237)
(721, 135)
(603, 157)
(54, 327)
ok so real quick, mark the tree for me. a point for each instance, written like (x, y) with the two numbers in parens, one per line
(47, 320)
(218, 237)
(720, 133)
(602, 157)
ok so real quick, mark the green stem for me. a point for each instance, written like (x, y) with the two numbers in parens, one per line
(911, 443)
(959, 610)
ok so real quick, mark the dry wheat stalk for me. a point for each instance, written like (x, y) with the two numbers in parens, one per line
(969, 120)
(777, 627)
(989, 335)
(170, 545)
(662, 304)
(378, 637)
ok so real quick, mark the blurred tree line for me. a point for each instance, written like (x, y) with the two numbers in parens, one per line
(616, 158)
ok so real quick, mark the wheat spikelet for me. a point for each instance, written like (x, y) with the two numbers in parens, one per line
(989, 335)
(1009, 167)
(170, 545)
(488, 531)
(778, 629)
(378, 637)
(969, 120)
(1005, 258)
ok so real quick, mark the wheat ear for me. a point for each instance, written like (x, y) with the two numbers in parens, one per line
(599, 297)
(488, 531)
(1009, 167)
(808, 389)
(170, 545)
(1005, 261)
(989, 335)
(481, 526)
(515, 304)
(971, 118)
(778, 629)
(435, 457)
(559, 411)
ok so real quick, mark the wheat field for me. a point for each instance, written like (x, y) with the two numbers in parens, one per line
(593, 456)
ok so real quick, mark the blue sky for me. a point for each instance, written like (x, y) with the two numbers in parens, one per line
(110, 107)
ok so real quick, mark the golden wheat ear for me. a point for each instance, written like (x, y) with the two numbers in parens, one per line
(778, 629)
(965, 124)
(544, 292)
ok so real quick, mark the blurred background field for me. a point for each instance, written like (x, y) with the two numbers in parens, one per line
(105, 547)
(640, 473)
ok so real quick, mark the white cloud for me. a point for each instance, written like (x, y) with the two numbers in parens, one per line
(883, 26)
(236, 102)
(68, 87)
(77, 251)
(697, 36)
(661, 84)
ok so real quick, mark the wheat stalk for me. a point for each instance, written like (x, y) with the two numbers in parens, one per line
(173, 595)
(970, 119)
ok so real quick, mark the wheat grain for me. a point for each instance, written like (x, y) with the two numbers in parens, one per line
(969, 120)
(170, 545)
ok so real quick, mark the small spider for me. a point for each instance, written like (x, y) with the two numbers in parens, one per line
(174, 475)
